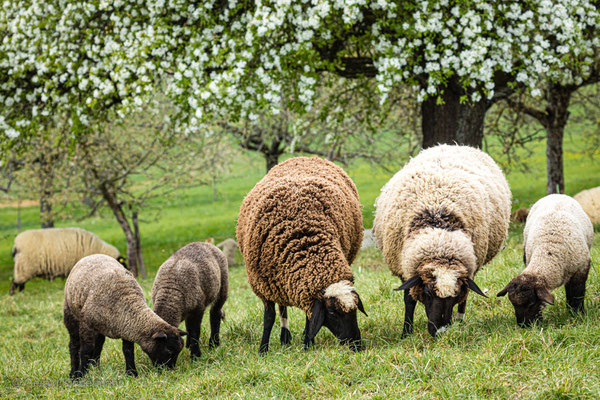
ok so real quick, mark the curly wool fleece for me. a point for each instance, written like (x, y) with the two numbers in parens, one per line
(299, 229)
(448, 207)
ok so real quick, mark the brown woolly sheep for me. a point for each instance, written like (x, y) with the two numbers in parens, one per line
(590, 201)
(437, 222)
(299, 230)
(520, 215)
(557, 239)
(51, 253)
(193, 278)
(228, 246)
(104, 299)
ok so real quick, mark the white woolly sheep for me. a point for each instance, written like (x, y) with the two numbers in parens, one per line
(368, 239)
(590, 201)
(437, 221)
(557, 239)
(193, 278)
(51, 253)
(103, 299)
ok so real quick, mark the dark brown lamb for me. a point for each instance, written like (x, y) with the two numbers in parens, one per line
(193, 278)
(103, 299)
(299, 229)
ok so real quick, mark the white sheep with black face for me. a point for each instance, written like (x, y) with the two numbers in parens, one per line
(557, 239)
(437, 222)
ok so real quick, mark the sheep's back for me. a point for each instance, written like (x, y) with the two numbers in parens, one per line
(590, 201)
(459, 185)
(299, 220)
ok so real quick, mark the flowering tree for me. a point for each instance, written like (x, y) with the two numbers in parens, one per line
(220, 57)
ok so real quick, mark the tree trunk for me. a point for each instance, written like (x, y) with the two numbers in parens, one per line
(272, 159)
(557, 112)
(46, 192)
(453, 122)
(138, 244)
(132, 243)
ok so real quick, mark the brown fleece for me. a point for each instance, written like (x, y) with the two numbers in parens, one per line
(590, 201)
(105, 298)
(520, 215)
(193, 278)
(51, 253)
(449, 206)
(299, 229)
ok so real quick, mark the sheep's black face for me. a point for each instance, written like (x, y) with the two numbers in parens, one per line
(439, 310)
(528, 297)
(166, 348)
(344, 326)
(341, 322)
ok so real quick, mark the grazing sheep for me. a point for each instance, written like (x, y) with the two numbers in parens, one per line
(51, 253)
(299, 230)
(557, 239)
(229, 246)
(104, 299)
(193, 278)
(437, 222)
(590, 201)
(520, 215)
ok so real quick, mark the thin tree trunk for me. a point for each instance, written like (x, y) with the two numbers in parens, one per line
(138, 244)
(46, 192)
(453, 122)
(272, 160)
(557, 112)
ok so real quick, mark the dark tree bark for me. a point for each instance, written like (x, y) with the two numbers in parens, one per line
(46, 176)
(453, 122)
(138, 243)
(557, 115)
(272, 160)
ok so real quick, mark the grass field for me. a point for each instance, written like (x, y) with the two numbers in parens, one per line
(486, 356)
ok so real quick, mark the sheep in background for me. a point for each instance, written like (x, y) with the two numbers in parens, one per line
(437, 222)
(104, 299)
(299, 229)
(193, 278)
(590, 201)
(368, 239)
(228, 246)
(51, 253)
(557, 239)
(520, 215)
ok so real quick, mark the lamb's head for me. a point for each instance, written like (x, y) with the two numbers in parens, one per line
(528, 295)
(164, 345)
(337, 311)
(440, 286)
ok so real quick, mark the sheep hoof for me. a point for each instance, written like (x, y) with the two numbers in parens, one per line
(286, 336)
(132, 372)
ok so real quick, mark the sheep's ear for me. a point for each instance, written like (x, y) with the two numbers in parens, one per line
(506, 289)
(414, 281)
(473, 286)
(361, 308)
(545, 295)
(181, 332)
(159, 336)
(317, 319)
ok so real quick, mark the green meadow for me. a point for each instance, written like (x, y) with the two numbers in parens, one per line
(486, 356)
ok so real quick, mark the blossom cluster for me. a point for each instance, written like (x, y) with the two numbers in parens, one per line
(240, 58)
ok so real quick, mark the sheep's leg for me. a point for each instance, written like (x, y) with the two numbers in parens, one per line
(87, 338)
(129, 358)
(460, 314)
(73, 327)
(268, 321)
(286, 335)
(305, 333)
(98, 344)
(216, 315)
(409, 313)
(575, 290)
(192, 324)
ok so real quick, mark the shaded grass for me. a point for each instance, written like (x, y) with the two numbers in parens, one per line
(486, 356)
